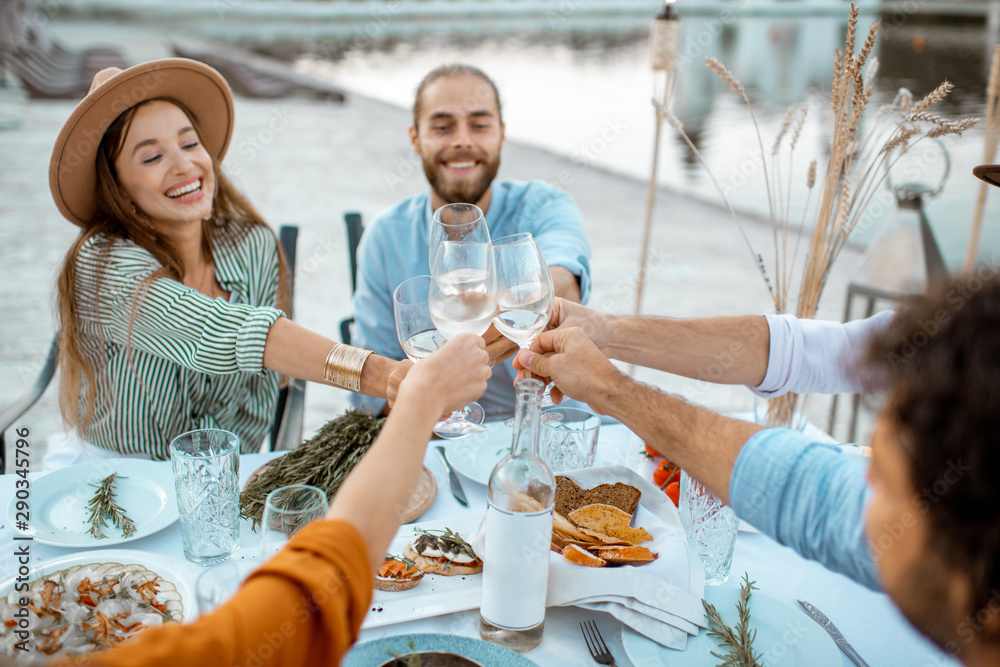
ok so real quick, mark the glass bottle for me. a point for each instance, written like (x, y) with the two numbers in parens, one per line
(520, 495)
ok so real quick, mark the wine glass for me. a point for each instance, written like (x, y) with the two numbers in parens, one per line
(456, 222)
(524, 289)
(524, 297)
(463, 299)
(286, 510)
(418, 335)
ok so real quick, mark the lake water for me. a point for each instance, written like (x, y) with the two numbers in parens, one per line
(588, 96)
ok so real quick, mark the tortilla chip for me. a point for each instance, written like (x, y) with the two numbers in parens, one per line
(609, 521)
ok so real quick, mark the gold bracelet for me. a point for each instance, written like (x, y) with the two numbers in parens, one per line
(343, 366)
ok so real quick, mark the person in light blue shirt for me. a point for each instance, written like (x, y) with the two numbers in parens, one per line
(458, 132)
(921, 521)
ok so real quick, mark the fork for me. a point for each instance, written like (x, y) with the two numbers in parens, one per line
(595, 644)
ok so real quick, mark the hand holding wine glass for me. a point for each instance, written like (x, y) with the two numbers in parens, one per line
(417, 333)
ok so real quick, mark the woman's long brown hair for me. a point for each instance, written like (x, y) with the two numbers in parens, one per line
(117, 219)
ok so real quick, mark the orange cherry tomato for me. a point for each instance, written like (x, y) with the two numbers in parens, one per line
(663, 473)
(673, 492)
(652, 453)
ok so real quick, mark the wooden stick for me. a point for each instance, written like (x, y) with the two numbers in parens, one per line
(989, 154)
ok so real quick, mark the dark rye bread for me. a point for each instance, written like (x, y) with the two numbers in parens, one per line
(619, 495)
(568, 495)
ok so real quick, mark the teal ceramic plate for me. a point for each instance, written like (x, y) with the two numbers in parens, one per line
(785, 636)
(378, 651)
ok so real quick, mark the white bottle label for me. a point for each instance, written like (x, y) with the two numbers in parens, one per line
(516, 567)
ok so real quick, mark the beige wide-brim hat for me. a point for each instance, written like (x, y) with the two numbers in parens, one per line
(989, 173)
(73, 167)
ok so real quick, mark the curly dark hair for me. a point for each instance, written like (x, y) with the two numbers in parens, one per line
(941, 359)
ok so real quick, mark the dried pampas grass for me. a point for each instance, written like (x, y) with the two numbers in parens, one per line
(856, 168)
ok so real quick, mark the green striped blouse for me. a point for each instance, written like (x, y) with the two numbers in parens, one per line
(189, 361)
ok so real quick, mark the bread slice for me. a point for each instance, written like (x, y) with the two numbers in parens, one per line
(396, 575)
(575, 554)
(568, 494)
(394, 585)
(623, 496)
(609, 520)
(633, 555)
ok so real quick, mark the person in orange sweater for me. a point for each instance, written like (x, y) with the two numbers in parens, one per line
(305, 605)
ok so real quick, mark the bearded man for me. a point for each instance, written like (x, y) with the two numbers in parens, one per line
(458, 132)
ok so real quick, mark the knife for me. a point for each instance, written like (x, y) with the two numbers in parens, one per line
(825, 623)
(456, 486)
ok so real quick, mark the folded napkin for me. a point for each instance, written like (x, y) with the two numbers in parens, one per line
(654, 599)
(664, 634)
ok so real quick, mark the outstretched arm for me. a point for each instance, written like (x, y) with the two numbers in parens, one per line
(803, 494)
(726, 350)
(305, 606)
(702, 443)
(371, 499)
(298, 352)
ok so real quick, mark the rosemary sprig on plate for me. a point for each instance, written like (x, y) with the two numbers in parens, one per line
(738, 639)
(103, 508)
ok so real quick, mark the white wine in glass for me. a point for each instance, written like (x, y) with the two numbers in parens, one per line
(423, 344)
(524, 293)
(524, 289)
(463, 299)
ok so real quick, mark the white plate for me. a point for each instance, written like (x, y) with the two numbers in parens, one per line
(58, 502)
(178, 572)
(436, 594)
(786, 637)
(475, 456)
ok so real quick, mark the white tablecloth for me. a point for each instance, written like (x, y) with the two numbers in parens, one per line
(868, 620)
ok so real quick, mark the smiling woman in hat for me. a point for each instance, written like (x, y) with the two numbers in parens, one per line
(170, 299)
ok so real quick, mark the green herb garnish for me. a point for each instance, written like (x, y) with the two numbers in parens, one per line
(104, 508)
(739, 638)
(323, 461)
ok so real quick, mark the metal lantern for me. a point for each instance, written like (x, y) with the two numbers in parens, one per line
(904, 259)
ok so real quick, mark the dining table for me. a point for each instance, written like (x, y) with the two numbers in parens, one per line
(868, 619)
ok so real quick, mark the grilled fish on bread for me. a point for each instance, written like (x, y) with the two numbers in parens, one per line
(445, 553)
